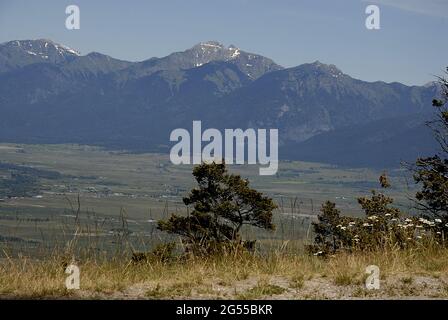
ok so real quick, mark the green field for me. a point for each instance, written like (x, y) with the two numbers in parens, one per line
(122, 194)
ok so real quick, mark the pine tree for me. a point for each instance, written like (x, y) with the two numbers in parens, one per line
(432, 172)
(222, 204)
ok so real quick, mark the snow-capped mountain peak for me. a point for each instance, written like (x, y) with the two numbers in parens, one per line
(43, 48)
(251, 64)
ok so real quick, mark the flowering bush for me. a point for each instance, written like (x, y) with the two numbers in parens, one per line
(382, 227)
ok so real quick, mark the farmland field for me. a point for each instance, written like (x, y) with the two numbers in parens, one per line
(46, 190)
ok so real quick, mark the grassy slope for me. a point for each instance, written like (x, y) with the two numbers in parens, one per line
(404, 274)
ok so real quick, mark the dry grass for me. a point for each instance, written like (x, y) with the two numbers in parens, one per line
(244, 276)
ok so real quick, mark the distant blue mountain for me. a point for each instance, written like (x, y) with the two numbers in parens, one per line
(50, 93)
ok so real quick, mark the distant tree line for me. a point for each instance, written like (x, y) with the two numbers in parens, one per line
(23, 181)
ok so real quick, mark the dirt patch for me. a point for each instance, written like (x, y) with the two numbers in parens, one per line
(277, 287)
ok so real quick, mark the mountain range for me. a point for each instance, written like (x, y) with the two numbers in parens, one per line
(50, 93)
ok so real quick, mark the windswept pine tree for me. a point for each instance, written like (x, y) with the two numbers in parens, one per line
(432, 172)
(222, 204)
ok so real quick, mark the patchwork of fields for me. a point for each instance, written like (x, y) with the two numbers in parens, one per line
(47, 191)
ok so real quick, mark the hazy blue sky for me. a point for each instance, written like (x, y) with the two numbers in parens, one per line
(411, 46)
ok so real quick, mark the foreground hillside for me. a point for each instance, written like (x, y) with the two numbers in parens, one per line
(404, 275)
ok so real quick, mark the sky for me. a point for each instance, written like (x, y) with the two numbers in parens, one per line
(410, 47)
